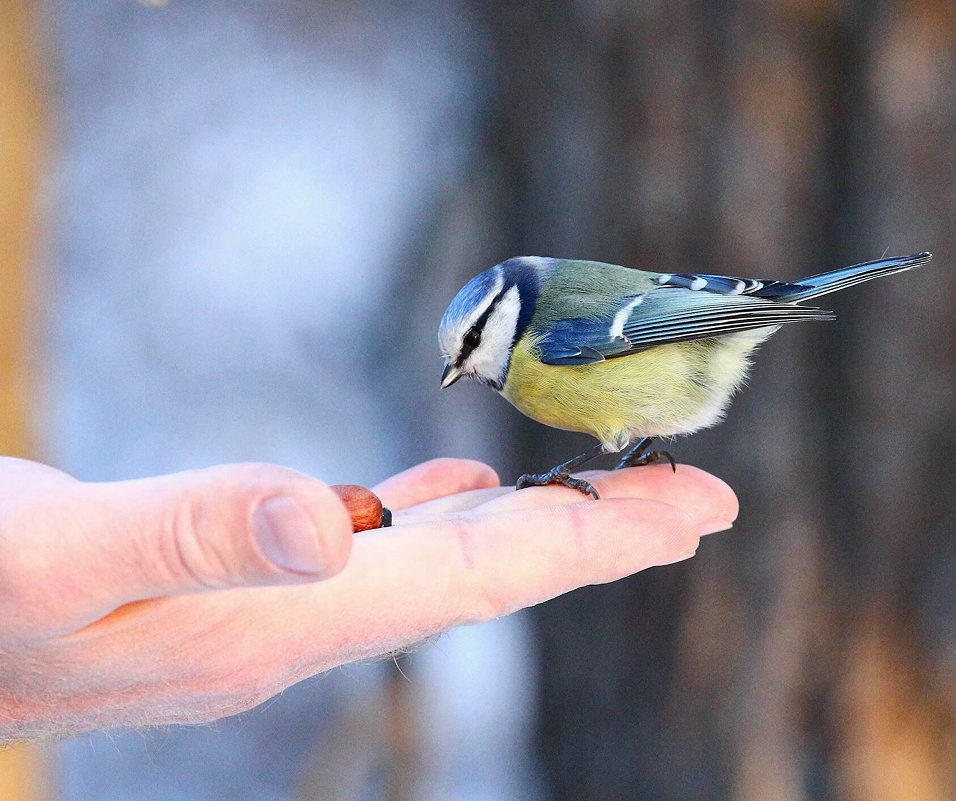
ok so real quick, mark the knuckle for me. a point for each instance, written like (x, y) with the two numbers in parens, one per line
(595, 553)
(486, 599)
(183, 552)
(582, 544)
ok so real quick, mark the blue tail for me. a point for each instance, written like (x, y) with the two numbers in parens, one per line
(815, 285)
(796, 291)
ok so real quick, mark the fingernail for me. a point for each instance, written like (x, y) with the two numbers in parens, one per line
(286, 536)
(713, 526)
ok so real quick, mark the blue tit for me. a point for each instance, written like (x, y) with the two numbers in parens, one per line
(623, 354)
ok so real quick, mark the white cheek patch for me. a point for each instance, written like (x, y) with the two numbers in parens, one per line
(490, 359)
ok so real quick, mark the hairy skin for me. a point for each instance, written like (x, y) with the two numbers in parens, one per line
(148, 602)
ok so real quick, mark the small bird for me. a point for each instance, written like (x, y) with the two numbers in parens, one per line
(625, 355)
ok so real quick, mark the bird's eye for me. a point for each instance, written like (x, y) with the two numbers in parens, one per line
(472, 338)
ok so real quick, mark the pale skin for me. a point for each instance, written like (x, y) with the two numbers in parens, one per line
(153, 601)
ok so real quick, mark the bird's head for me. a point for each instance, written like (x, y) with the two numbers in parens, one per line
(487, 317)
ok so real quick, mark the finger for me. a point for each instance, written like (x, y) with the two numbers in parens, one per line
(451, 504)
(406, 584)
(698, 493)
(18, 476)
(435, 479)
(403, 585)
(687, 487)
(97, 546)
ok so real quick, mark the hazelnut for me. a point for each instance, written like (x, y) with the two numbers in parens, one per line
(364, 506)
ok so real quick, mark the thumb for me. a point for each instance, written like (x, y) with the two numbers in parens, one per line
(228, 526)
(102, 545)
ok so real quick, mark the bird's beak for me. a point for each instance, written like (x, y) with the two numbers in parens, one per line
(449, 375)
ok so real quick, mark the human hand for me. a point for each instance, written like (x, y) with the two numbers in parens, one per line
(147, 602)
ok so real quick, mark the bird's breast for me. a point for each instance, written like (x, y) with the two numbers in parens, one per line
(670, 389)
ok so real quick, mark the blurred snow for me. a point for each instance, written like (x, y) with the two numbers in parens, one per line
(476, 692)
(236, 191)
(236, 188)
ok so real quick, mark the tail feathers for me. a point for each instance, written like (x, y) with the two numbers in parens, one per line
(816, 285)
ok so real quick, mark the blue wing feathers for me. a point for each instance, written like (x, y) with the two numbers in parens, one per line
(689, 307)
(727, 285)
(664, 316)
(580, 341)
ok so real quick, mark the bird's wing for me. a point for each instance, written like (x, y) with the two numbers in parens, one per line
(660, 316)
(728, 285)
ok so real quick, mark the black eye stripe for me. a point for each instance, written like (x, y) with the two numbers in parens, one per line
(477, 327)
(471, 341)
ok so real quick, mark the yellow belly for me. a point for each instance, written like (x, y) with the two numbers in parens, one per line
(667, 390)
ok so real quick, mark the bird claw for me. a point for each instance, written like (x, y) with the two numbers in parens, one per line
(647, 457)
(552, 477)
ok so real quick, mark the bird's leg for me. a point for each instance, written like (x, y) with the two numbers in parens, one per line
(641, 454)
(562, 474)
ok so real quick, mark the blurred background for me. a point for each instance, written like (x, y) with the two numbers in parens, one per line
(228, 231)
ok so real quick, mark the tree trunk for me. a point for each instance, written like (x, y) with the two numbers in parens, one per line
(810, 653)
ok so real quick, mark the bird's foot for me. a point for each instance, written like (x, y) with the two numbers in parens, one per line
(557, 477)
(644, 455)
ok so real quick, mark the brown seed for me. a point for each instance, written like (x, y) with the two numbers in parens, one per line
(364, 505)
